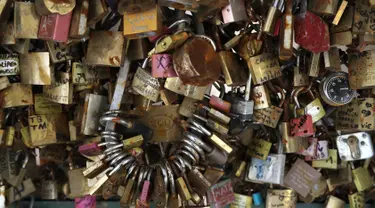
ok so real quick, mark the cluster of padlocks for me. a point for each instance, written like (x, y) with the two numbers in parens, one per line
(188, 103)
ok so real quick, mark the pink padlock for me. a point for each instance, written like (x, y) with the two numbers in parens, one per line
(162, 66)
(55, 27)
(301, 126)
(91, 149)
(87, 201)
(143, 198)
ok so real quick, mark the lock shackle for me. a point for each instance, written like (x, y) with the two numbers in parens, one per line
(179, 166)
(282, 96)
(295, 96)
(185, 163)
(145, 62)
(112, 151)
(142, 175)
(190, 153)
(110, 135)
(220, 87)
(112, 156)
(199, 126)
(116, 119)
(118, 158)
(130, 169)
(198, 141)
(149, 173)
(196, 147)
(109, 149)
(101, 144)
(25, 160)
(136, 171)
(178, 22)
(164, 173)
(204, 37)
(170, 177)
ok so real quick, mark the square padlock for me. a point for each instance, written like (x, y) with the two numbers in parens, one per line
(302, 126)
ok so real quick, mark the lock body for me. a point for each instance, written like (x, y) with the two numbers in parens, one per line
(261, 97)
(302, 126)
(270, 170)
(9, 64)
(78, 26)
(162, 66)
(35, 68)
(221, 194)
(26, 20)
(146, 85)
(355, 146)
(234, 74)
(49, 190)
(176, 85)
(55, 27)
(235, 11)
(268, 116)
(264, 67)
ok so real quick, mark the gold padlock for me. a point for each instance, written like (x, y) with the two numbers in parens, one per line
(356, 116)
(8, 36)
(327, 8)
(17, 95)
(4, 83)
(42, 130)
(35, 68)
(332, 59)
(46, 7)
(98, 9)
(361, 25)
(314, 66)
(9, 64)
(261, 97)
(26, 20)
(346, 21)
(187, 107)
(330, 163)
(264, 67)
(342, 38)
(58, 54)
(60, 92)
(174, 84)
(78, 25)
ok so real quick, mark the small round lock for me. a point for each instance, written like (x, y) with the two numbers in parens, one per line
(335, 90)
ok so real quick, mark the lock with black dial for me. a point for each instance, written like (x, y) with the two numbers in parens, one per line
(335, 90)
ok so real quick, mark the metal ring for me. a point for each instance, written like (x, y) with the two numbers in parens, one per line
(188, 165)
(185, 20)
(170, 177)
(116, 119)
(191, 151)
(207, 39)
(197, 140)
(112, 156)
(118, 158)
(117, 146)
(189, 155)
(200, 151)
(107, 143)
(130, 170)
(200, 126)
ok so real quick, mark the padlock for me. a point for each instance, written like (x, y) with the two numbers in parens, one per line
(136, 27)
(282, 198)
(95, 105)
(314, 66)
(60, 92)
(46, 7)
(59, 54)
(94, 169)
(300, 126)
(301, 177)
(175, 84)
(263, 68)
(361, 25)
(221, 194)
(16, 193)
(190, 5)
(49, 189)
(213, 125)
(17, 95)
(98, 9)
(35, 68)
(162, 66)
(26, 20)
(332, 59)
(43, 106)
(340, 12)
(323, 7)
(315, 108)
(355, 146)
(105, 48)
(235, 11)
(244, 107)
(187, 107)
(273, 13)
(42, 130)
(129, 188)
(357, 199)
(217, 115)
(55, 27)
(261, 97)
(168, 97)
(330, 163)
(9, 64)
(333, 201)
(286, 32)
(78, 26)
(17, 179)
(144, 84)
(8, 36)
(342, 38)
(9, 136)
(323, 155)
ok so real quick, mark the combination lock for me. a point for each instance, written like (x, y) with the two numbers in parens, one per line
(335, 90)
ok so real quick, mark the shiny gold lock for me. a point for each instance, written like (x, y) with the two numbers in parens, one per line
(327, 8)
(174, 84)
(340, 12)
(161, 119)
(17, 95)
(187, 107)
(261, 97)
(315, 109)
(362, 178)
(259, 148)
(105, 48)
(98, 9)
(60, 92)
(42, 130)
(360, 70)
(330, 163)
(342, 38)
(46, 7)
(9, 136)
(78, 25)
(4, 83)
(8, 36)
(143, 24)
(35, 68)
(242, 201)
(181, 186)
(264, 67)
(220, 143)
(333, 201)
(332, 59)
(291, 144)
(26, 20)
(274, 199)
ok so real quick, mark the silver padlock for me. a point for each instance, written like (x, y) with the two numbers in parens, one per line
(357, 146)
(244, 107)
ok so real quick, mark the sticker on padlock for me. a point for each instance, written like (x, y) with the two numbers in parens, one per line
(321, 152)
(357, 146)
(221, 194)
(162, 66)
(270, 170)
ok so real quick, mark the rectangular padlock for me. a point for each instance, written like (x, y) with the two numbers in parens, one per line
(281, 198)
(187, 107)
(259, 148)
(8, 36)
(363, 20)
(332, 59)
(321, 152)
(357, 146)
(55, 27)
(143, 24)
(146, 85)
(326, 8)
(302, 126)
(174, 84)
(95, 105)
(16, 193)
(221, 194)
(360, 70)
(356, 115)
(26, 20)
(17, 95)
(270, 170)
(330, 163)
(235, 11)
(78, 26)
(35, 68)
(44, 106)
(58, 54)
(268, 116)
(333, 201)
(42, 130)
(264, 67)
(261, 97)
(90, 149)
(105, 48)
(162, 66)
(60, 92)
(9, 64)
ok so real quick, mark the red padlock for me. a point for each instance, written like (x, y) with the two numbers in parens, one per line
(162, 66)
(311, 32)
(55, 27)
(300, 126)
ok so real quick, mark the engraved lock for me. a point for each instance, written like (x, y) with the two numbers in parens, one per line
(16, 193)
(300, 126)
(78, 26)
(324, 7)
(286, 32)
(264, 67)
(96, 105)
(332, 59)
(359, 70)
(150, 26)
(281, 198)
(98, 9)
(35, 68)
(175, 84)
(44, 106)
(243, 107)
(261, 97)
(42, 130)
(84, 75)
(259, 148)
(301, 177)
(59, 54)
(190, 5)
(60, 92)
(333, 201)
(217, 115)
(197, 70)
(49, 189)
(213, 125)
(221, 194)
(314, 66)
(360, 25)
(235, 11)
(187, 107)
(105, 48)
(9, 65)
(137, 6)
(17, 95)
(306, 34)
(234, 73)
(219, 103)
(330, 163)
(273, 13)
(55, 27)
(144, 84)
(46, 7)
(162, 66)
(26, 20)
(336, 90)
(355, 146)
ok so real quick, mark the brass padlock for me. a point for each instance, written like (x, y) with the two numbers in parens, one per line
(46, 7)
(314, 66)
(330, 163)
(143, 24)
(346, 21)
(8, 36)
(60, 92)
(42, 130)
(4, 83)
(281, 198)
(16, 193)
(105, 48)
(35, 68)
(16, 95)
(78, 26)
(300, 78)
(26, 20)
(327, 8)
(360, 70)
(95, 105)
(197, 70)
(187, 107)
(135, 6)
(9, 64)
(44, 106)
(175, 84)
(263, 68)
(98, 9)
(332, 59)
(361, 25)
(58, 54)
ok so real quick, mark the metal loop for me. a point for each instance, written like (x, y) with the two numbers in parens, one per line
(207, 39)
